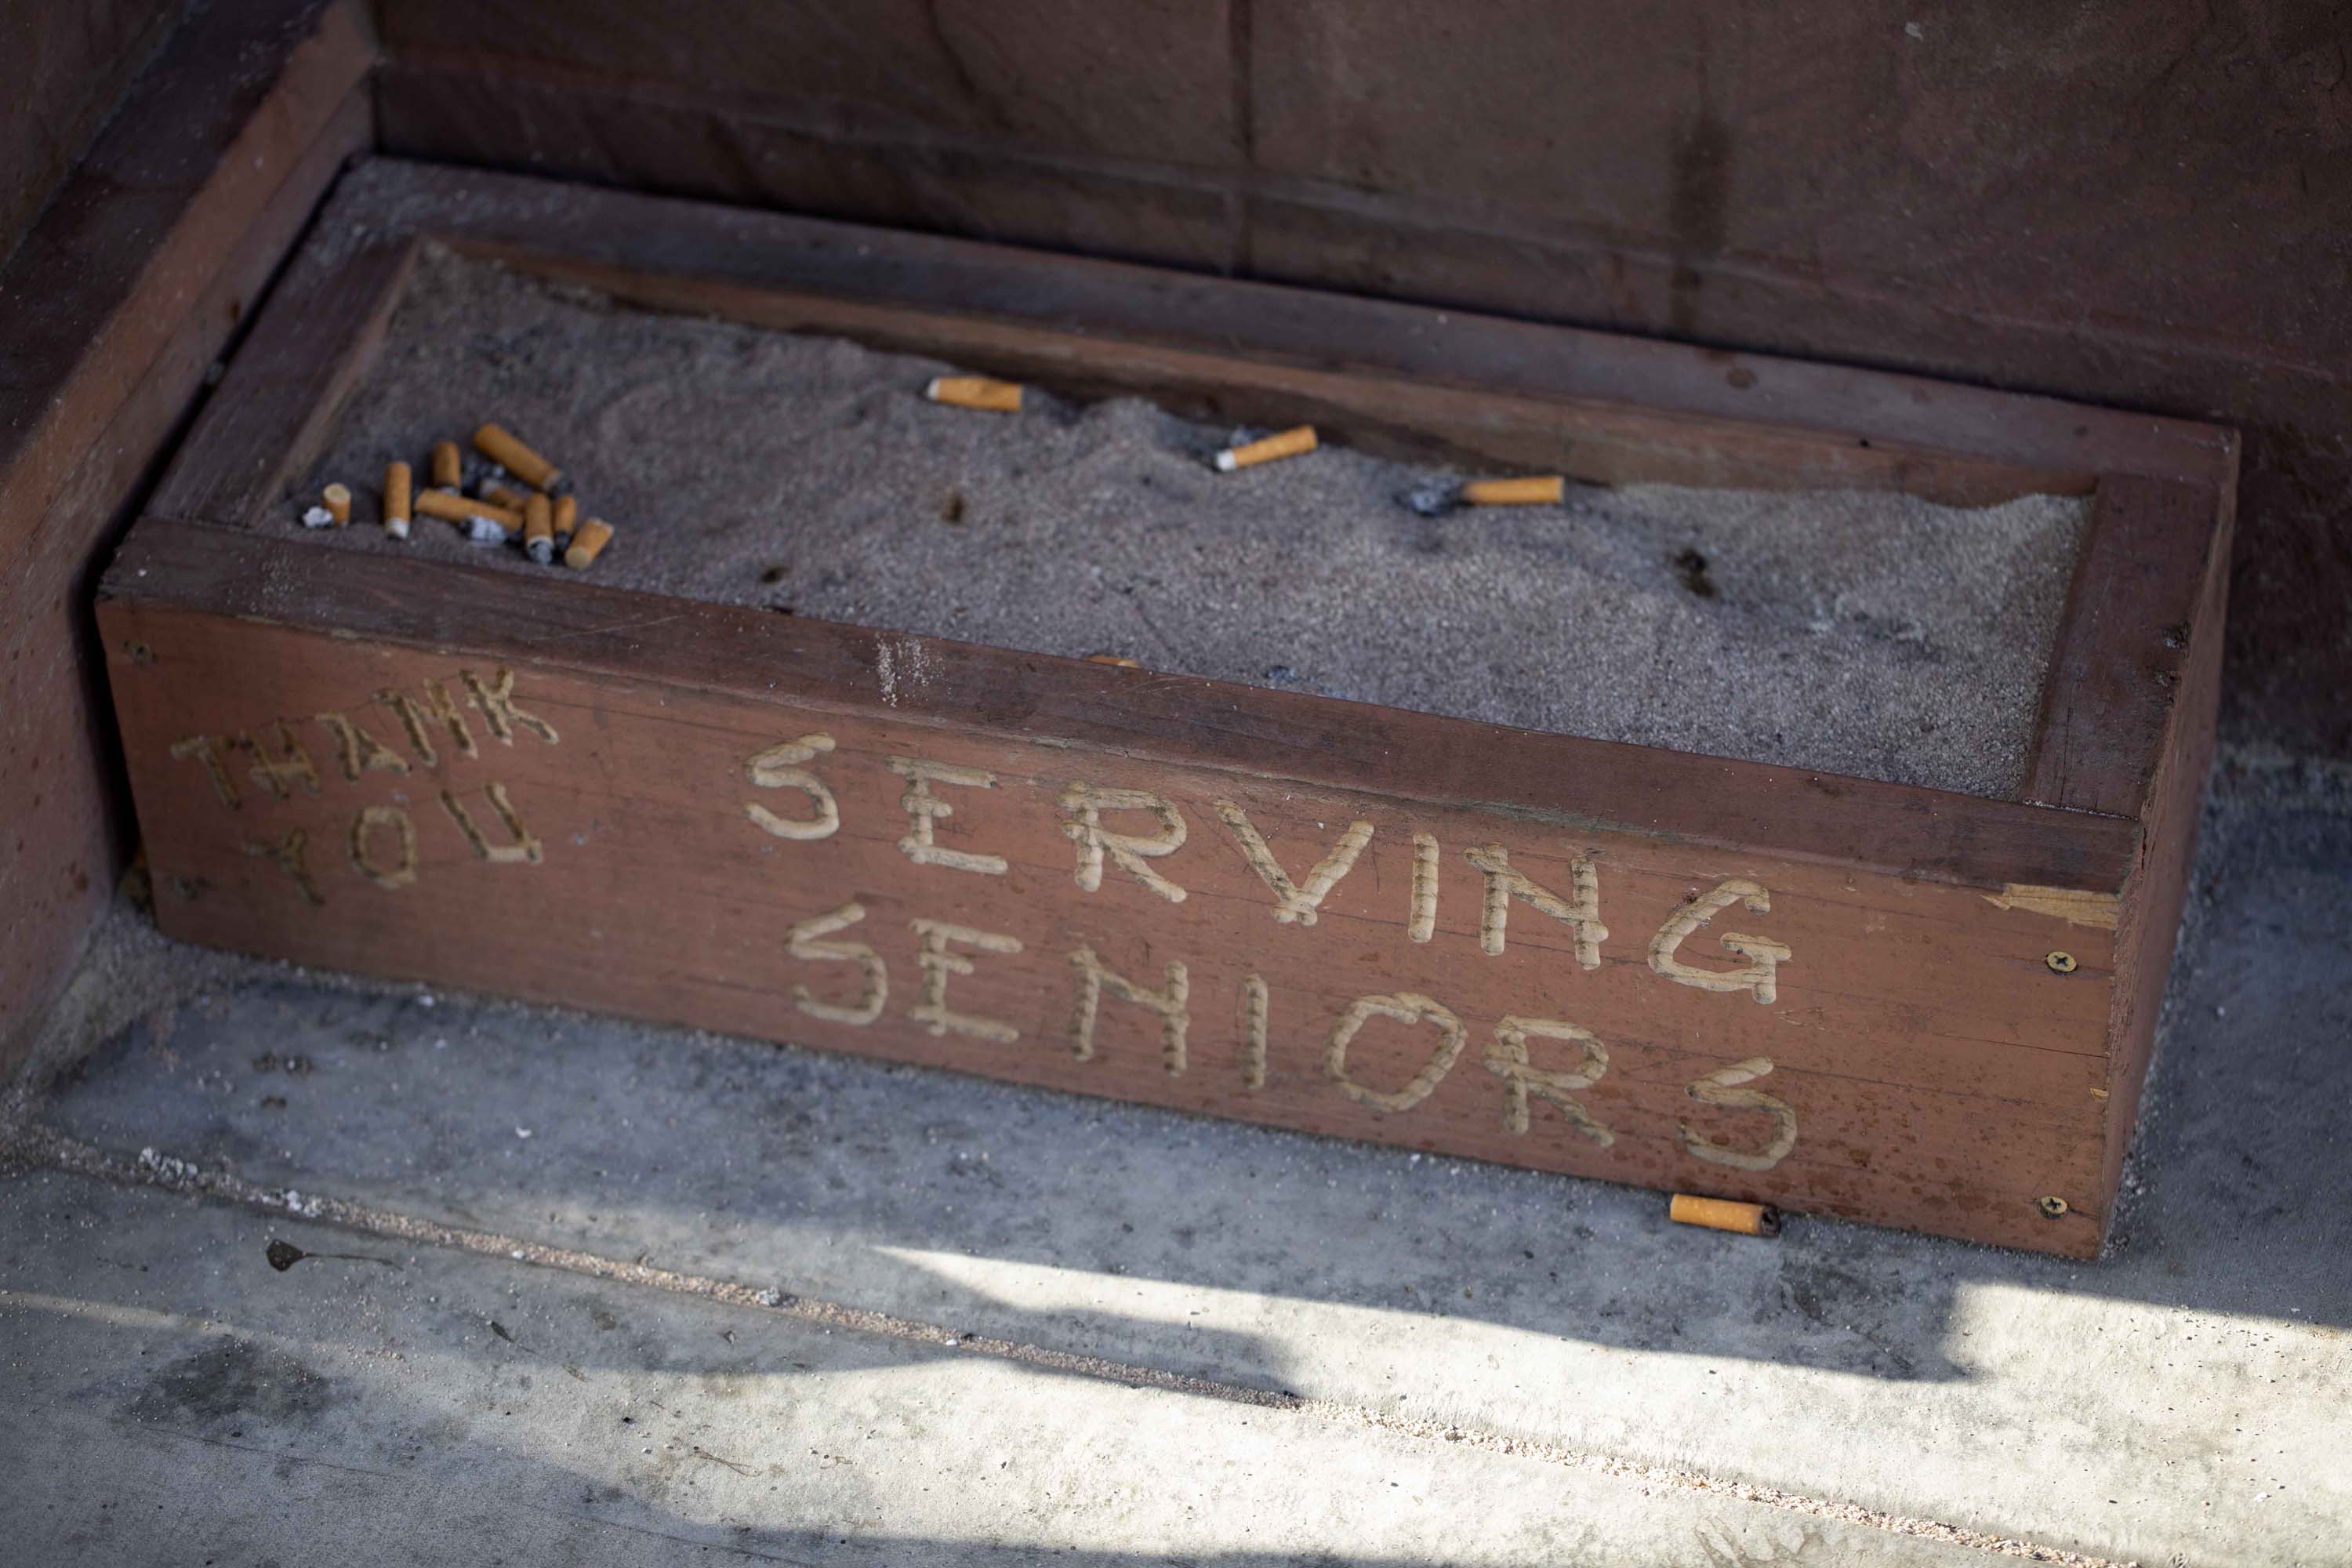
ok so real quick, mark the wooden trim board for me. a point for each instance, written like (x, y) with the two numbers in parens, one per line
(119, 299)
(1831, 994)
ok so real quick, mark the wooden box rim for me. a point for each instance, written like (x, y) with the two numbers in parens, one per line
(1392, 377)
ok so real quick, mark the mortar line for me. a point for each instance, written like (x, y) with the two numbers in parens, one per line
(33, 1144)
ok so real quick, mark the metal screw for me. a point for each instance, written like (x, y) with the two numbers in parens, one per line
(2055, 1207)
(2060, 962)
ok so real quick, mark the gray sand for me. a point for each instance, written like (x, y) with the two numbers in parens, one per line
(1853, 633)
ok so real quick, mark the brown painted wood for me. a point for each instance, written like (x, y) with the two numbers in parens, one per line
(2160, 883)
(1940, 1075)
(1954, 1074)
(142, 269)
(64, 69)
(1917, 833)
(1391, 377)
(1563, 168)
(2124, 646)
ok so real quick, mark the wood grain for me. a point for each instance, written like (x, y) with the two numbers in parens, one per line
(1393, 378)
(144, 269)
(2125, 644)
(1940, 1075)
(1968, 984)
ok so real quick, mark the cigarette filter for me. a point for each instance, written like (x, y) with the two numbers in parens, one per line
(975, 392)
(448, 468)
(338, 499)
(1723, 1213)
(1284, 444)
(539, 530)
(516, 458)
(588, 544)
(396, 500)
(451, 507)
(1543, 491)
(567, 514)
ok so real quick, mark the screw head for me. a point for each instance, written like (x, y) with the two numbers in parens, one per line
(2062, 963)
(2053, 1207)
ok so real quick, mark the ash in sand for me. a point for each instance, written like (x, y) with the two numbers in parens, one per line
(1869, 634)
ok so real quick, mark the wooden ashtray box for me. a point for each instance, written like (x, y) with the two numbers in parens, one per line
(1831, 994)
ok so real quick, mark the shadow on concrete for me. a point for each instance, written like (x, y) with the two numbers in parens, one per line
(1155, 1237)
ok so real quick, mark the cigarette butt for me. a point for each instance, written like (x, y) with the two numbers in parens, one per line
(1543, 490)
(516, 458)
(451, 507)
(339, 502)
(586, 545)
(975, 392)
(505, 496)
(448, 468)
(1723, 1213)
(539, 529)
(567, 513)
(1284, 444)
(396, 500)
(1123, 661)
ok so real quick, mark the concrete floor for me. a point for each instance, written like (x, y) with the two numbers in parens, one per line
(609, 1294)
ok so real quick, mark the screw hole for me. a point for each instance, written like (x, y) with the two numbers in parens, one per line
(2061, 963)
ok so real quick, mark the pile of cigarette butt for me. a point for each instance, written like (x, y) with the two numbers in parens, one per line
(480, 497)
(478, 493)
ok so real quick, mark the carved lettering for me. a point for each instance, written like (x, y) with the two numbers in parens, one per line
(1507, 1058)
(206, 748)
(494, 698)
(525, 849)
(1295, 902)
(287, 854)
(923, 808)
(274, 774)
(1721, 1088)
(1581, 914)
(357, 751)
(1406, 1008)
(1253, 1010)
(1130, 851)
(402, 872)
(1169, 1003)
(1422, 922)
(777, 767)
(801, 941)
(938, 963)
(1764, 955)
(417, 719)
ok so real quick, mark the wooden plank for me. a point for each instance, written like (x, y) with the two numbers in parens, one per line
(143, 225)
(1391, 377)
(144, 268)
(2125, 644)
(64, 71)
(636, 121)
(303, 359)
(2150, 918)
(1917, 833)
(1927, 1068)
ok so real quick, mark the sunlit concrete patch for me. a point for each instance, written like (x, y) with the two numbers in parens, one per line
(200, 1402)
